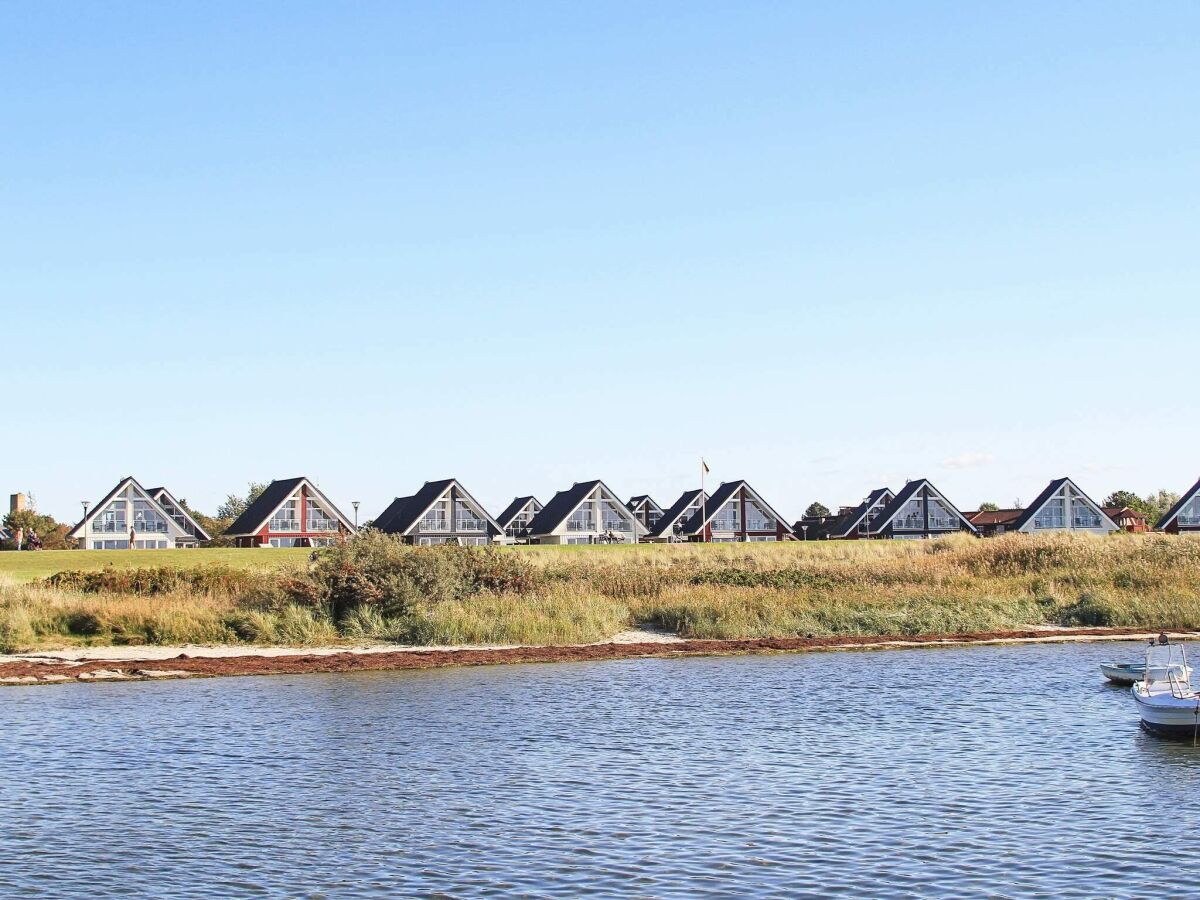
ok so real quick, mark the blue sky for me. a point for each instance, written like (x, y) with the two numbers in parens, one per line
(829, 247)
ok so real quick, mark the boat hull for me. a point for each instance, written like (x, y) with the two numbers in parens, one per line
(1167, 715)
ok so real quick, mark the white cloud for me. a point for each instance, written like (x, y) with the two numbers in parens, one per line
(967, 461)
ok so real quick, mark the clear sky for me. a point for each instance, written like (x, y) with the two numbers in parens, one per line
(827, 246)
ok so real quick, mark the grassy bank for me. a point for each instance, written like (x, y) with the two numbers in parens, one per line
(373, 588)
(27, 566)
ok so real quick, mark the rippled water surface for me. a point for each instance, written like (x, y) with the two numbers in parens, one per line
(970, 772)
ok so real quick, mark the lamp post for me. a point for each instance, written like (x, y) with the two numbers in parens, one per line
(85, 504)
(354, 503)
(804, 528)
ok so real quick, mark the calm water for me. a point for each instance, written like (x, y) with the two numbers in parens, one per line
(847, 773)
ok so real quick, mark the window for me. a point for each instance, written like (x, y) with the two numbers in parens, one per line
(436, 518)
(319, 519)
(1190, 514)
(466, 519)
(111, 520)
(110, 545)
(614, 519)
(728, 517)
(940, 517)
(911, 517)
(285, 519)
(147, 519)
(1052, 515)
(285, 542)
(1082, 515)
(757, 518)
(582, 519)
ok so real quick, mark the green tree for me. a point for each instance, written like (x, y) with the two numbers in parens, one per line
(52, 534)
(816, 510)
(988, 506)
(234, 506)
(1121, 499)
(1157, 505)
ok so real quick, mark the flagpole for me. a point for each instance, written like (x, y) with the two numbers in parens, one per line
(703, 505)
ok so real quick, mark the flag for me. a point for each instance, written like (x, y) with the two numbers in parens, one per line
(705, 465)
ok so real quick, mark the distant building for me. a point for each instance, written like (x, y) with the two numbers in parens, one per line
(441, 512)
(647, 511)
(515, 519)
(992, 522)
(918, 510)
(1063, 506)
(1184, 516)
(588, 512)
(1128, 519)
(849, 523)
(734, 512)
(291, 512)
(670, 524)
(130, 516)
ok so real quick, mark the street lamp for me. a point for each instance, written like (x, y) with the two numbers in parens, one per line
(804, 528)
(354, 503)
(85, 504)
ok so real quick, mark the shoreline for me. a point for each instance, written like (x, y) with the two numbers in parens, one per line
(57, 667)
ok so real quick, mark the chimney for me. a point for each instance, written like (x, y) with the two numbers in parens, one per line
(16, 503)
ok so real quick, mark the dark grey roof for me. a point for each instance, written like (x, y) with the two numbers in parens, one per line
(563, 503)
(1178, 505)
(403, 517)
(393, 509)
(906, 493)
(510, 511)
(841, 525)
(1032, 509)
(642, 498)
(258, 512)
(696, 522)
(674, 512)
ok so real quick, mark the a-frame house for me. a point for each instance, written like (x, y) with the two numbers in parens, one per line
(588, 512)
(919, 510)
(850, 523)
(647, 511)
(735, 512)
(1063, 506)
(1184, 516)
(514, 521)
(131, 517)
(291, 512)
(441, 512)
(670, 524)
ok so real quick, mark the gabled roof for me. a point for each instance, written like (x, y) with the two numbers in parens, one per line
(562, 504)
(719, 498)
(993, 516)
(907, 493)
(159, 492)
(1178, 506)
(1051, 489)
(393, 509)
(672, 514)
(843, 524)
(513, 509)
(1123, 512)
(639, 500)
(94, 511)
(403, 517)
(259, 512)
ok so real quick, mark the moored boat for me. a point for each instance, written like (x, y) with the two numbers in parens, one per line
(1164, 697)
(1128, 673)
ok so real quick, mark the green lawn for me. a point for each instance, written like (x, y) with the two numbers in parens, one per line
(29, 565)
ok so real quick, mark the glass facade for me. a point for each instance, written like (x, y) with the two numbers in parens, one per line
(285, 518)
(319, 519)
(1052, 515)
(1190, 513)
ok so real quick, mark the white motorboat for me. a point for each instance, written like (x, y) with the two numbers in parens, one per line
(1164, 697)
(1128, 673)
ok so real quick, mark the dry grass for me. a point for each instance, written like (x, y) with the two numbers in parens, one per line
(716, 591)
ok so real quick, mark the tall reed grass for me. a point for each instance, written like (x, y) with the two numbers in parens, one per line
(374, 588)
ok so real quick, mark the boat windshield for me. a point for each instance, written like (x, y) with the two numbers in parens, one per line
(1165, 660)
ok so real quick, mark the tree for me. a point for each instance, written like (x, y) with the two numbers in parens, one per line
(234, 505)
(52, 535)
(988, 506)
(816, 510)
(1158, 504)
(1121, 499)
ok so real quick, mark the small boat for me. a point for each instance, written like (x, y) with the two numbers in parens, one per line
(1128, 673)
(1164, 697)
